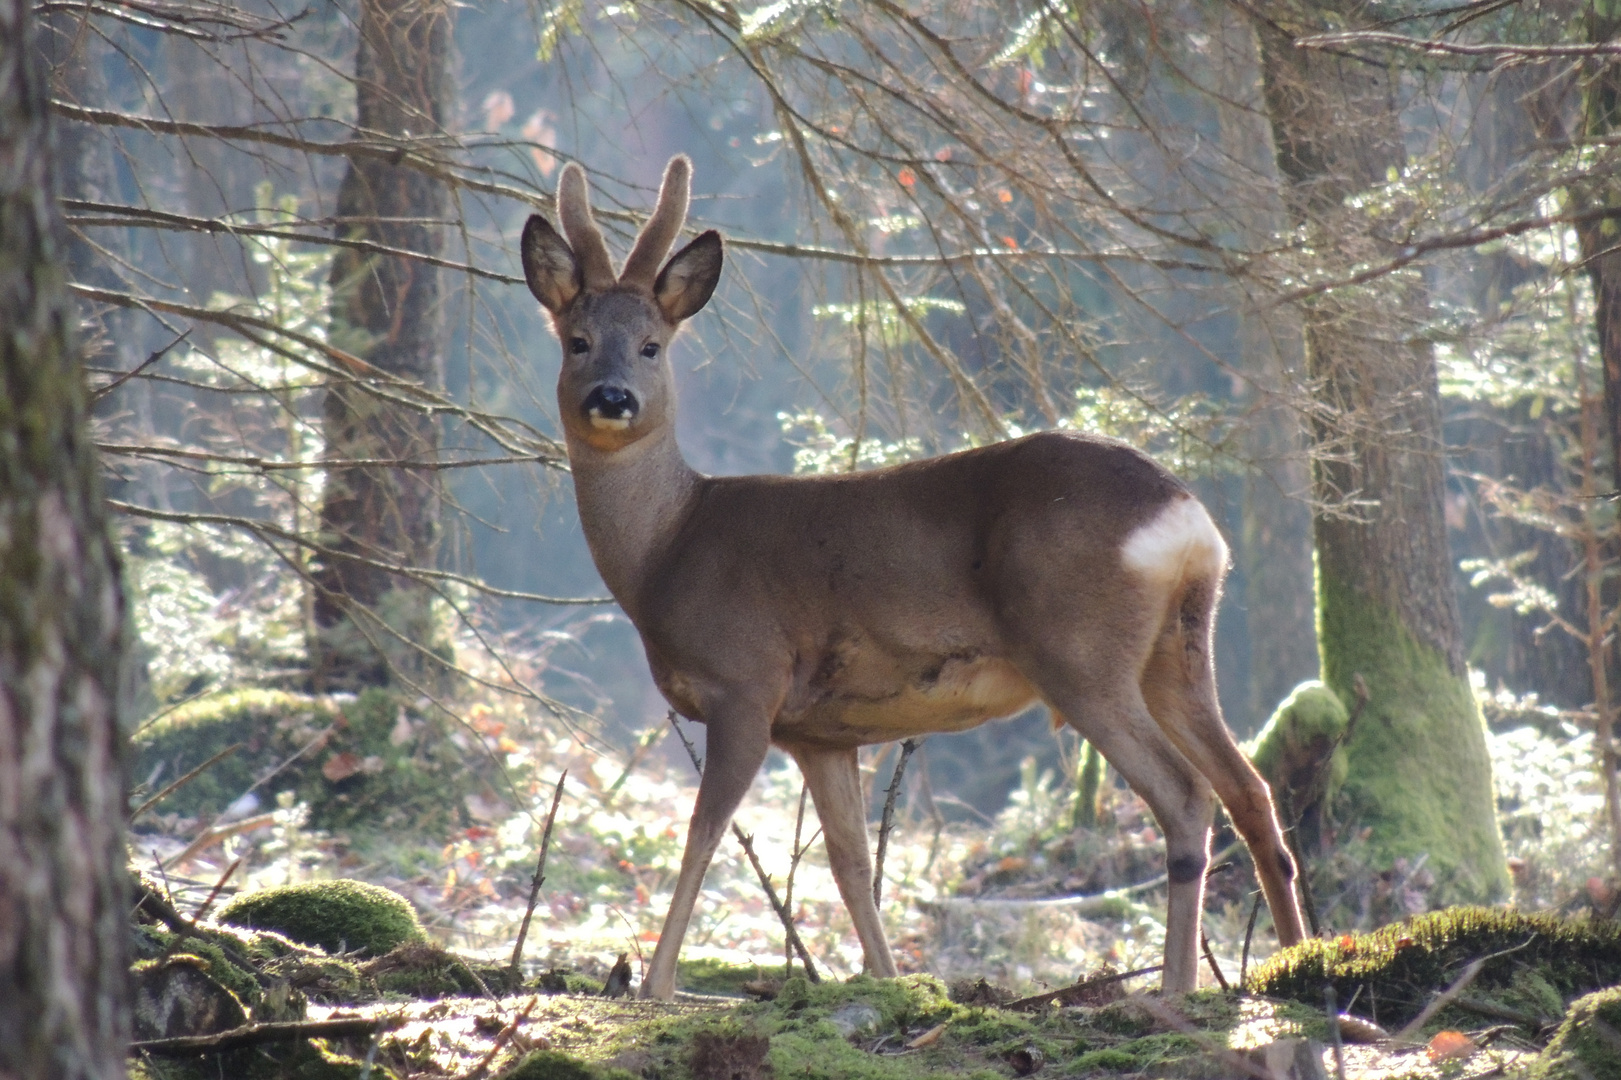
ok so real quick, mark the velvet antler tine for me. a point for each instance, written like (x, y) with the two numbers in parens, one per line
(658, 236)
(580, 228)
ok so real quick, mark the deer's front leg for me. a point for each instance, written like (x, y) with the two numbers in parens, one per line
(739, 734)
(834, 779)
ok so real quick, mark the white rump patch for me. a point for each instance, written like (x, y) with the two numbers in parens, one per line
(1178, 541)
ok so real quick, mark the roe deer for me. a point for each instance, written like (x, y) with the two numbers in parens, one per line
(825, 613)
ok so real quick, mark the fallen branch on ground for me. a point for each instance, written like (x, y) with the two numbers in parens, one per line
(259, 1034)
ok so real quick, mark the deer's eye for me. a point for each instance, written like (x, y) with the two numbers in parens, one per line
(579, 345)
(650, 350)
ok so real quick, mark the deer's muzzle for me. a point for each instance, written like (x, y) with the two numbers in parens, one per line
(610, 407)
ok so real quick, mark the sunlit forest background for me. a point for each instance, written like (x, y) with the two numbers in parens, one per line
(324, 401)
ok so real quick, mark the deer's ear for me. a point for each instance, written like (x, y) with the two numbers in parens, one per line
(549, 265)
(688, 280)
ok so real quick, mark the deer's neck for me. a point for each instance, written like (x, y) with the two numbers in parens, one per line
(632, 502)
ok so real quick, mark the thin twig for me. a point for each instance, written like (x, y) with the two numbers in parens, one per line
(1077, 990)
(1210, 958)
(540, 874)
(793, 870)
(1235, 1062)
(502, 1037)
(1333, 1007)
(201, 912)
(1441, 1001)
(1249, 934)
(777, 905)
(102, 391)
(213, 894)
(214, 835)
(184, 780)
(887, 822)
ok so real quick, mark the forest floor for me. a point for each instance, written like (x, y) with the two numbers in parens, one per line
(982, 911)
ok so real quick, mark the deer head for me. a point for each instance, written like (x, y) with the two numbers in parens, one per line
(616, 387)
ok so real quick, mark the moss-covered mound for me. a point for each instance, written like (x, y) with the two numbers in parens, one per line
(337, 916)
(1532, 964)
(1298, 750)
(1588, 1043)
(552, 1065)
(370, 762)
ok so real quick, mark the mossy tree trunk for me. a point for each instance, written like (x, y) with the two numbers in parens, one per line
(1419, 778)
(387, 311)
(63, 934)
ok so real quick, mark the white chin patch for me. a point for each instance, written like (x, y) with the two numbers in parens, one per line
(607, 423)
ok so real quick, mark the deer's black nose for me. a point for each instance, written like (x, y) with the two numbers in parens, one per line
(610, 403)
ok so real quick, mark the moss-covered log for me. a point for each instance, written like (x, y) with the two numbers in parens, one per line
(1531, 965)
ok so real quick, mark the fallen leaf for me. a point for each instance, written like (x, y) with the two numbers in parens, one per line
(928, 1038)
(341, 766)
(1450, 1044)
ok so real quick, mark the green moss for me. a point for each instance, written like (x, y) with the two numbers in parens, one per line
(409, 773)
(231, 951)
(422, 970)
(1587, 1045)
(549, 1065)
(987, 1027)
(332, 915)
(220, 966)
(710, 976)
(1419, 776)
(1109, 1060)
(1298, 752)
(267, 722)
(1394, 970)
(565, 981)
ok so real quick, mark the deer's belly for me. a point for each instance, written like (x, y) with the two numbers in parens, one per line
(875, 702)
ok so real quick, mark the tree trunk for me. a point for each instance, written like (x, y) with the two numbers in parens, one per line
(1419, 776)
(387, 311)
(63, 933)
(1274, 549)
(1601, 252)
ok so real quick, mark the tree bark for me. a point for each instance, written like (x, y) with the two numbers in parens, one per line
(1600, 243)
(387, 311)
(1419, 774)
(63, 1010)
(1274, 549)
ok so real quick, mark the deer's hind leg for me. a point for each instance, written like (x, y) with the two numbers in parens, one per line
(1179, 686)
(1101, 699)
